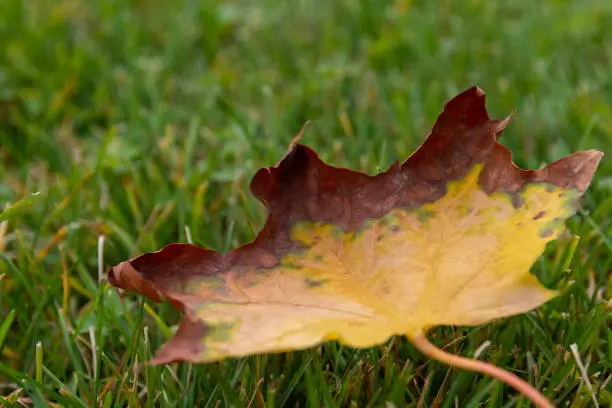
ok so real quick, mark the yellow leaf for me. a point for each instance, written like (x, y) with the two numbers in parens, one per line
(447, 238)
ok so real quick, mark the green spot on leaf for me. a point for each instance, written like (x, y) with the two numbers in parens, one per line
(313, 283)
(424, 215)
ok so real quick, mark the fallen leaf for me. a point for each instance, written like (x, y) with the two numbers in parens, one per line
(446, 238)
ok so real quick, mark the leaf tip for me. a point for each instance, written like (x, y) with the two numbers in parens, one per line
(574, 171)
(295, 141)
(186, 346)
(124, 276)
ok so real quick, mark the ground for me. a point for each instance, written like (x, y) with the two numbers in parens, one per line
(140, 123)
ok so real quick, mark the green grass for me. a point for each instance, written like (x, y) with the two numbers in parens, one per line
(135, 120)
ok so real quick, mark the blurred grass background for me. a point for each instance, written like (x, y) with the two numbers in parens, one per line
(137, 119)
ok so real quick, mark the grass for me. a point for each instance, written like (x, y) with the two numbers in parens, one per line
(141, 121)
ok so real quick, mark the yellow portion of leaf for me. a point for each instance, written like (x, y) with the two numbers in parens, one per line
(462, 260)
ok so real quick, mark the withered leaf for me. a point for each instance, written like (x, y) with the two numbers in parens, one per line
(446, 238)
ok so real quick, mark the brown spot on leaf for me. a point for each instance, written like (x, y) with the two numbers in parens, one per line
(547, 232)
(539, 215)
(517, 200)
(268, 260)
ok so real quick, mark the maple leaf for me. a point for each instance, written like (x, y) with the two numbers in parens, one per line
(446, 238)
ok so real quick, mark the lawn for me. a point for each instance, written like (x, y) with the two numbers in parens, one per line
(141, 123)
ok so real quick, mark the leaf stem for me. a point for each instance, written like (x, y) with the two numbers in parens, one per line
(419, 340)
